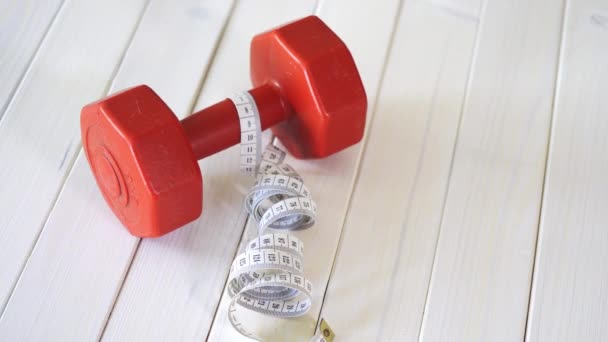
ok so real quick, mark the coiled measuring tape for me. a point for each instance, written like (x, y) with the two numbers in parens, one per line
(268, 277)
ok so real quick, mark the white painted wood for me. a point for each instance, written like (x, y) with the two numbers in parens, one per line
(23, 25)
(39, 134)
(482, 270)
(570, 289)
(464, 9)
(71, 280)
(366, 27)
(175, 282)
(385, 257)
(485, 218)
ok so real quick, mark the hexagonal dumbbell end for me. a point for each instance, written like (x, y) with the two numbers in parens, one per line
(315, 73)
(142, 161)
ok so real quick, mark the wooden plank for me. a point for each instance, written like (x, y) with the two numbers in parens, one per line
(175, 282)
(23, 25)
(331, 179)
(482, 270)
(71, 280)
(39, 134)
(388, 242)
(570, 295)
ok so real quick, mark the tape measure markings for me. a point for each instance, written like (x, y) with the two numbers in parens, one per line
(251, 132)
(268, 277)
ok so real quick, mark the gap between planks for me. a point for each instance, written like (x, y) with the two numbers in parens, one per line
(568, 297)
(549, 139)
(481, 17)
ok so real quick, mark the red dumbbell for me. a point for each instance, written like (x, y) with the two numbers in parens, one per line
(308, 90)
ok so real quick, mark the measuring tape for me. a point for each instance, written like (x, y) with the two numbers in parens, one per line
(268, 277)
(251, 131)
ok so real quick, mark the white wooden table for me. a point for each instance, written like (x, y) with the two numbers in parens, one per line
(476, 208)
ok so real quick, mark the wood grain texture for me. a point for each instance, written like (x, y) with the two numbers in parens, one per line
(331, 179)
(23, 24)
(570, 289)
(189, 266)
(482, 270)
(390, 232)
(40, 134)
(71, 280)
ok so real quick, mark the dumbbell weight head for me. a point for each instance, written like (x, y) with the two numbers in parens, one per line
(144, 159)
(315, 73)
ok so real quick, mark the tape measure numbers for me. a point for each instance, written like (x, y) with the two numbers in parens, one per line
(268, 277)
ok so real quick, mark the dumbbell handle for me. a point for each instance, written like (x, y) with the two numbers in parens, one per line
(217, 127)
